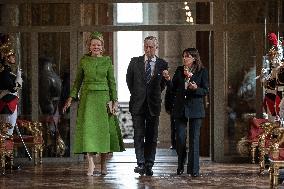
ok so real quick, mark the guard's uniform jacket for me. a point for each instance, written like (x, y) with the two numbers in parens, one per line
(8, 91)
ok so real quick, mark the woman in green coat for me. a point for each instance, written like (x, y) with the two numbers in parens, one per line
(97, 129)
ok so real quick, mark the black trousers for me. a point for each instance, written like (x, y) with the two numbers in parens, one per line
(145, 137)
(193, 151)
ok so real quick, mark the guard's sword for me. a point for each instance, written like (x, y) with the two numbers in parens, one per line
(20, 135)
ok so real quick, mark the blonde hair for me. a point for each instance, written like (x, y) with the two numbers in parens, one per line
(97, 36)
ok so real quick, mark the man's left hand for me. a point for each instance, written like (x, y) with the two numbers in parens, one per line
(166, 75)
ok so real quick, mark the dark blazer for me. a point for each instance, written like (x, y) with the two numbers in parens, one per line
(189, 103)
(9, 100)
(7, 79)
(140, 90)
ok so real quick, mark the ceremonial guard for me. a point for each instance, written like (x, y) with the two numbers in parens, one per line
(9, 83)
(272, 77)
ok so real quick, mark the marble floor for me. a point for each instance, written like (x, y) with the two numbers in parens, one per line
(121, 176)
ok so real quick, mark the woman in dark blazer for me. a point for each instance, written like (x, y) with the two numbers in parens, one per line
(189, 85)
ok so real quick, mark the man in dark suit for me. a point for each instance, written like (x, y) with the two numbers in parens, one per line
(146, 78)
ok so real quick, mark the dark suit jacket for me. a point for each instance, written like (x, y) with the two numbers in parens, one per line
(189, 103)
(169, 100)
(140, 90)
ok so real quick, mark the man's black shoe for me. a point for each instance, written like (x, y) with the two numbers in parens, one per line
(149, 171)
(180, 170)
(140, 169)
(172, 147)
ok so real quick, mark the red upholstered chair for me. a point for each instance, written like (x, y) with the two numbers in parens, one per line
(276, 156)
(265, 140)
(255, 128)
(6, 147)
(255, 131)
(32, 136)
(258, 138)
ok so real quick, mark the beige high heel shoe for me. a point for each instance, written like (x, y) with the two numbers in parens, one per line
(91, 165)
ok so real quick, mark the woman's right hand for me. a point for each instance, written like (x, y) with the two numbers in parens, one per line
(187, 73)
(67, 104)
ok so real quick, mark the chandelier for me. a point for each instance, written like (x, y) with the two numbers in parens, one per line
(188, 14)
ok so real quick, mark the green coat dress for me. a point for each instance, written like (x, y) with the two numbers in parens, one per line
(96, 130)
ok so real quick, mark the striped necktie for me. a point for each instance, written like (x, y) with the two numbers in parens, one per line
(148, 71)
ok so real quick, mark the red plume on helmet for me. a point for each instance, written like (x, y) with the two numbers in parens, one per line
(273, 39)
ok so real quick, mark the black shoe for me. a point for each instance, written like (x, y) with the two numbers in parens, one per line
(172, 147)
(195, 175)
(180, 171)
(149, 171)
(189, 170)
(140, 169)
(14, 167)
